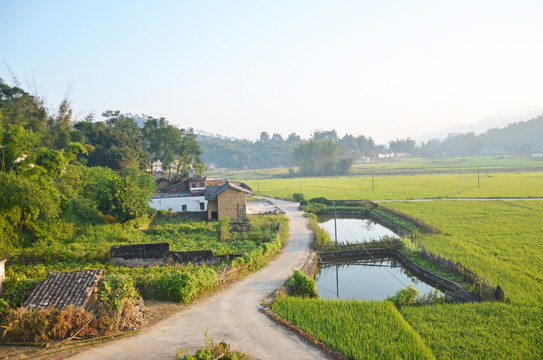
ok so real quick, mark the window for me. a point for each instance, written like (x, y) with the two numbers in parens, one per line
(202, 206)
(183, 207)
(193, 185)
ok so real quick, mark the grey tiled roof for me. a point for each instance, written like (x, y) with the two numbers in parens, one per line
(213, 191)
(65, 288)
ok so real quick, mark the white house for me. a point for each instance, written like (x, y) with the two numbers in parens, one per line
(178, 202)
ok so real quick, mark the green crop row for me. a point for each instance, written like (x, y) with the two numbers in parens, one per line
(479, 330)
(357, 329)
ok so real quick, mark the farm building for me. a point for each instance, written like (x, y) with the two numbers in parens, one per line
(215, 199)
(226, 200)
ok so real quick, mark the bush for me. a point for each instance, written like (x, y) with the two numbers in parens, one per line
(320, 200)
(314, 208)
(301, 285)
(116, 288)
(223, 229)
(298, 197)
(213, 351)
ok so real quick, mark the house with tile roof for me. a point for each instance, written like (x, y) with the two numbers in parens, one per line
(60, 289)
(215, 199)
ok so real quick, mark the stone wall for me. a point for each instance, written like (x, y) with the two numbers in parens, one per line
(159, 254)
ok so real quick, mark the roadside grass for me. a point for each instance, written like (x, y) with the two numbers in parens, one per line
(495, 185)
(510, 331)
(357, 329)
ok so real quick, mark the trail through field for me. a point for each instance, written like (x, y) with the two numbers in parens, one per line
(230, 314)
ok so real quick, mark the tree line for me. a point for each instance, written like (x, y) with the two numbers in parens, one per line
(275, 151)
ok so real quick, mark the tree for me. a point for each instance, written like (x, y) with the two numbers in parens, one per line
(122, 198)
(277, 138)
(264, 136)
(320, 157)
(173, 147)
(403, 146)
(325, 135)
(117, 142)
(293, 138)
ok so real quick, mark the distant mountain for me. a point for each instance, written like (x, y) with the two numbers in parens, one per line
(498, 120)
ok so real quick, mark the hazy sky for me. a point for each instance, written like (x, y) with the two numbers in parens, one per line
(386, 69)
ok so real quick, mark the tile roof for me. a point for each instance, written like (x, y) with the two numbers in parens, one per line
(65, 288)
(213, 191)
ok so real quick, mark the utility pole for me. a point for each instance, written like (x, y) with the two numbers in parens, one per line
(335, 225)
(337, 284)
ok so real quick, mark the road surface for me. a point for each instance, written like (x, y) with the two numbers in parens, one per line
(230, 314)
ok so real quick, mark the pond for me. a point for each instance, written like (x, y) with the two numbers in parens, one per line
(365, 279)
(354, 229)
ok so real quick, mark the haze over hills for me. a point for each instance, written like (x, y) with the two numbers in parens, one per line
(499, 119)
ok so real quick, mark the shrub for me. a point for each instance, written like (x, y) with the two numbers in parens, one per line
(301, 285)
(298, 197)
(223, 229)
(213, 351)
(116, 288)
(320, 200)
(405, 296)
(314, 208)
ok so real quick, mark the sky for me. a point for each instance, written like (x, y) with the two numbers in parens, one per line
(382, 69)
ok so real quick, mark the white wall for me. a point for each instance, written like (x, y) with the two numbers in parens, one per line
(176, 203)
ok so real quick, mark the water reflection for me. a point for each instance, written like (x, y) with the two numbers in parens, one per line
(354, 229)
(365, 279)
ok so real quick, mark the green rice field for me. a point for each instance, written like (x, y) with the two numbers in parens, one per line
(501, 240)
(494, 185)
(358, 329)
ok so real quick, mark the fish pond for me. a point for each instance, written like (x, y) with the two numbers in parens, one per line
(369, 278)
(354, 229)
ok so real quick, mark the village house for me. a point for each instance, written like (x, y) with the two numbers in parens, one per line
(214, 199)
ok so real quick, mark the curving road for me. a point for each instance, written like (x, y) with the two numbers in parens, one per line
(230, 314)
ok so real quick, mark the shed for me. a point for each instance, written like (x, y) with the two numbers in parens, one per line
(77, 288)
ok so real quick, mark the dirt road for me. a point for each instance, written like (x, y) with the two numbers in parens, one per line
(230, 314)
